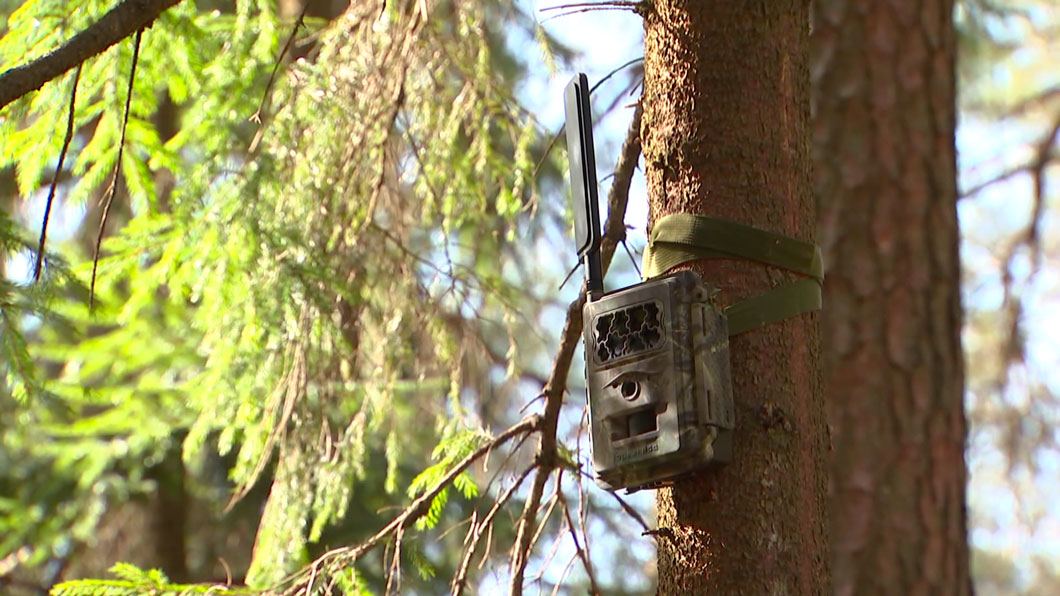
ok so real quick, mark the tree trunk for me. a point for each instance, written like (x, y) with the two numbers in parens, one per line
(886, 181)
(725, 130)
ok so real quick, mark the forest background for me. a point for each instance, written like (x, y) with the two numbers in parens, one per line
(217, 356)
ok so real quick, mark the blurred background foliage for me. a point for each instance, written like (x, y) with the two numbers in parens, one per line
(1008, 158)
(330, 254)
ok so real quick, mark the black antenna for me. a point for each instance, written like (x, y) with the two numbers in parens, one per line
(582, 159)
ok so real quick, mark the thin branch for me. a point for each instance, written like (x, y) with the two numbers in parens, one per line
(630, 511)
(113, 188)
(999, 178)
(614, 232)
(504, 463)
(559, 133)
(625, 4)
(583, 553)
(256, 117)
(476, 532)
(546, 563)
(121, 21)
(637, 6)
(1012, 305)
(55, 179)
(618, 195)
(1024, 168)
(1021, 107)
(615, 71)
(395, 564)
(632, 259)
(563, 576)
(1045, 154)
(543, 524)
(1035, 101)
(583, 516)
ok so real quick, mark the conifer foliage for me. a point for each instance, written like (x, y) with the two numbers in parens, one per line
(313, 275)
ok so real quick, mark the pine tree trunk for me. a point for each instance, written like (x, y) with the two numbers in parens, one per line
(725, 132)
(886, 181)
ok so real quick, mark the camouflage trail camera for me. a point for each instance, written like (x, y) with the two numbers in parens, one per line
(656, 353)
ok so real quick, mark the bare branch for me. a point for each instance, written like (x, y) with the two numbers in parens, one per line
(1045, 153)
(256, 117)
(552, 502)
(1012, 305)
(630, 511)
(583, 553)
(614, 232)
(477, 530)
(113, 188)
(624, 4)
(546, 563)
(393, 576)
(1018, 109)
(55, 179)
(559, 133)
(618, 196)
(1024, 168)
(1033, 102)
(637, 6)
(120, 22)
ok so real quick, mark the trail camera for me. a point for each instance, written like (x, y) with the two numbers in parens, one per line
(656, 353)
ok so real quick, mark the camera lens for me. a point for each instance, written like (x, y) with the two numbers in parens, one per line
(629, 389)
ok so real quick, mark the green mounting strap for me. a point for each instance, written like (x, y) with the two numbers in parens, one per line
(684, 237)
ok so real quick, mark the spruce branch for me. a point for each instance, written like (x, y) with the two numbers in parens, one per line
(120, 22)
(418, 508)
(530, 525)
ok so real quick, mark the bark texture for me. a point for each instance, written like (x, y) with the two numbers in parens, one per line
(726, 133)
(886, 183)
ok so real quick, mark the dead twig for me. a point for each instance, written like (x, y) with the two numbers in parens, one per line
(1012, 305)
(583, 553)
(113, 188)
(55, 179)
(256, 116)
(1006, 175)
(477, 530)
(637, 6)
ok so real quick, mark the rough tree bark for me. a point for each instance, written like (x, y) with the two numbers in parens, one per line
(886, 184)
(726, 133)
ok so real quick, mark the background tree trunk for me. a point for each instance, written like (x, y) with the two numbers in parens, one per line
(886, 181)
(725, 131)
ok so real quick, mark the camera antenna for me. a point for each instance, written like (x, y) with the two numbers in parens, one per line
(581, 157)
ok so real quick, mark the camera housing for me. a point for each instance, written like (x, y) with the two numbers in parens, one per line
(658, 380)
(656, 353)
